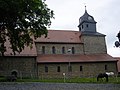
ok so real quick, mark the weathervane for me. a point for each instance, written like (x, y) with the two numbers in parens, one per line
(117, 43)
(85, 6)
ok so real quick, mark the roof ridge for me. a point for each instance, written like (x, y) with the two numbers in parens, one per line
(63, 30)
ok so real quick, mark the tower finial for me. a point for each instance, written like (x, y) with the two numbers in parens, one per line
(85, 7)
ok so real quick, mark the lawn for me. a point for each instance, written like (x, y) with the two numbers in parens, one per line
(72, 80)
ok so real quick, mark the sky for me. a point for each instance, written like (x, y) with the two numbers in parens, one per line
(105, 12)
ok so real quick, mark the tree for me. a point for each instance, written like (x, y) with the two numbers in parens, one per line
(21, 19)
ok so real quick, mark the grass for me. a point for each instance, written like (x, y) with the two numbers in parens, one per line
(72, 80)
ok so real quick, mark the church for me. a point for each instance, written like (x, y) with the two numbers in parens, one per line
(67, 53)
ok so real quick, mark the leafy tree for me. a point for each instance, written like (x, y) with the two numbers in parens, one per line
(21, 19)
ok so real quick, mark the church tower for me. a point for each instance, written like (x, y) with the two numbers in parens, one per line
(93, 42)
(87, 23)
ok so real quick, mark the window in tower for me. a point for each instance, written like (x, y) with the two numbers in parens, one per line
(87, 25)
(82, 26)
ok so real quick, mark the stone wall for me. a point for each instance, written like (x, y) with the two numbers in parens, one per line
(25, 66)
(91, 45)
(48, 48)
(94, 44)
(88, 69)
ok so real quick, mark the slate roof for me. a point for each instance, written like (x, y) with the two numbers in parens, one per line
(85, 18)
(62, 58)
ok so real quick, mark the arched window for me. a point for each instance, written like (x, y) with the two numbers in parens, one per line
(81, 68)
(46, 68)
(106, 67)
(69, 68)
(43, 49)
(63, 50)
(53, 50)
(87, 25)
(82, 26)
(58, 69)
(73, 50)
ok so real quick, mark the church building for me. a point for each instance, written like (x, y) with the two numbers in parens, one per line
(80, 53)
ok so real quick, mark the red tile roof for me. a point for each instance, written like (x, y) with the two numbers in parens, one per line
(61, 36)
(74, 58)
(26, 52)
(58, 36)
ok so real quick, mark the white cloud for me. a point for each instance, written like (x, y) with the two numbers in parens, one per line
(105, 12)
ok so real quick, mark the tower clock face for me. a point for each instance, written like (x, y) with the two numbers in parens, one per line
(89, 18)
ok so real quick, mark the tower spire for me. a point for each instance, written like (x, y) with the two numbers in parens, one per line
(85, 7)
(87, 23)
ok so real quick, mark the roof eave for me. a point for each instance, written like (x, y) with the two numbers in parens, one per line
(81, 62)
(60, 42)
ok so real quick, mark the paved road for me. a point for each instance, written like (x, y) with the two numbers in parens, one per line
(57, 86)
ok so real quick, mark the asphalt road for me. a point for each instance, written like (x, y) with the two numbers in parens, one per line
(57, 86)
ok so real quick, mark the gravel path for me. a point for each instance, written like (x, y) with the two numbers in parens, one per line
(57, 86)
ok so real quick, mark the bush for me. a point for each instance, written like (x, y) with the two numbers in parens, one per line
(11, 78)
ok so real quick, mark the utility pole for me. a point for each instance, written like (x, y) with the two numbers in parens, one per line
(69, 64)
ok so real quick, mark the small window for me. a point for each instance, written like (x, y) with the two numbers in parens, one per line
(53, 50)
(106, 67)
(73, 50)
(87, 25)
(63, 50)
(46, 69)
(43, 49)
(82, 26)
(81, 68)
(58, 69)
(69, 68)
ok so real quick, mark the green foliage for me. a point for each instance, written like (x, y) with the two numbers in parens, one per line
(21, 19)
